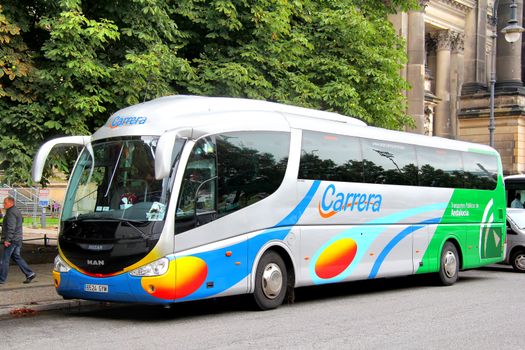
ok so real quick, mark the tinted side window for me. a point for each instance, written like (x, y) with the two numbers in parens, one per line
(481, 170)
(389, 163)
(330, 157)
(251, 166)
(440, 167)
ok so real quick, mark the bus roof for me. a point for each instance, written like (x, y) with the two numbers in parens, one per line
(170, 112)
(222, 113)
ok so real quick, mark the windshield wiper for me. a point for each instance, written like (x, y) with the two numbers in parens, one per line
(88, 217)
(130, 223)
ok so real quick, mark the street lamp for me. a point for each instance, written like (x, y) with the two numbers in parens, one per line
(513, 30)
(512, 34)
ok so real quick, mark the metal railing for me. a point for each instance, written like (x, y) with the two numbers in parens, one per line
(46, 240)
(26, 199)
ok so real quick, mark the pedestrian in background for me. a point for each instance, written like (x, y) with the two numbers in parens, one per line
(12, 241)
(56, 209)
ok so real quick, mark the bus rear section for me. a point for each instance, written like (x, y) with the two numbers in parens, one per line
(389, 207)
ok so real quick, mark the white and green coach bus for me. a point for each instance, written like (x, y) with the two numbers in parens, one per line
(185, 197)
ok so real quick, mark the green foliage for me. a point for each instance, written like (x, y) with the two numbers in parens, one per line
(75, 70)
(16, 97)
(66, 65)
(341, 56)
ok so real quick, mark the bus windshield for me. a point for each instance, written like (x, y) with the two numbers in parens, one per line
(115, 180)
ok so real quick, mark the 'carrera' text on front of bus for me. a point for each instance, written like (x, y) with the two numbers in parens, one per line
(114, 208)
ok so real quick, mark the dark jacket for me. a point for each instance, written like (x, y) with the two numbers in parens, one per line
(12, 226)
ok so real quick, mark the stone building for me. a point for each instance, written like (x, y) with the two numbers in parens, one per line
(449, 47)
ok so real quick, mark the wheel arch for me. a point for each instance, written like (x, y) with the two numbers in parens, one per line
(284, 251)
(459, 249)
(515, 249)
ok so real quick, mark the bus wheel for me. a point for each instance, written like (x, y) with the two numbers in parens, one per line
(518, 261)
(271, 280)
(449, 265)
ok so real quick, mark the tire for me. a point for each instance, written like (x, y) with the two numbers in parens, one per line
(517, 261)
(271, 280)
(448, 265)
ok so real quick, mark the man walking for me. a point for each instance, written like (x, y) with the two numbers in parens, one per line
(12, 241)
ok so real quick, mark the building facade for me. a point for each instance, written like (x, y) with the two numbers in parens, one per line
(450, 48)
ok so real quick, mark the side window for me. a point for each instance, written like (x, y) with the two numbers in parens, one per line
(330, 157)
(440, 167)
(389, 163)
(481, 171)
(197, 199)
(251, 167)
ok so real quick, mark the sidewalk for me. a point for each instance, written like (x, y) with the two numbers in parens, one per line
(15, 295)
(19, 299)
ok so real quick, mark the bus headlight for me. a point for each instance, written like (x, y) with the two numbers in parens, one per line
(60, 265)
(156, 268)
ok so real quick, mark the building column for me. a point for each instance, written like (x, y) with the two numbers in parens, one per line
(456, 80)
(442, 120)
(430, 98)
(508, 62)
(475, 49)
(399, 21)
(416, 67)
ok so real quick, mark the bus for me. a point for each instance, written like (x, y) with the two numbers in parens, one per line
(186, 197)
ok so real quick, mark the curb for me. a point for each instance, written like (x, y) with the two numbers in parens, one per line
(24, 310)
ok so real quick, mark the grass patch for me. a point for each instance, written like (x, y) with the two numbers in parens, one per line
(50, 222)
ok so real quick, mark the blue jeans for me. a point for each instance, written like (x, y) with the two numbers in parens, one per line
(13, 251)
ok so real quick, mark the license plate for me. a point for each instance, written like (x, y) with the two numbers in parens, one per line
(97, 288)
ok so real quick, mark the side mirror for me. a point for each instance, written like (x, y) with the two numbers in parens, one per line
(43, 152)
(164, 151)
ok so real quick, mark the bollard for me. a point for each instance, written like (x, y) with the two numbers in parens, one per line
(45, 240)
(43, 218)
(35, 209)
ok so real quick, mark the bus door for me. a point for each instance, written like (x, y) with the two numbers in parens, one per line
(218, 252)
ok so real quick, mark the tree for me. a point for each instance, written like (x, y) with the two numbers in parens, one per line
(68, 64)
(332, 55)
(16, 97)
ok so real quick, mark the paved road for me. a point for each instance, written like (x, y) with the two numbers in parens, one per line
(484, 310)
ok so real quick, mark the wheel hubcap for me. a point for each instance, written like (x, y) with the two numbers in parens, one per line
(272, 281)
(450, 264)
(520, 261)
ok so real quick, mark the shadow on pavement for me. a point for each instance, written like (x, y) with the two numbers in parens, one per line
(195, 309)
